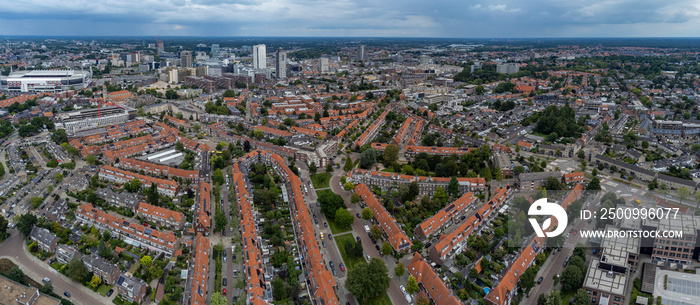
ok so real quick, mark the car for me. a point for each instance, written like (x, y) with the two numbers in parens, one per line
(223, 232)
(408, 297)
(374, 241)
(321, 235)
(377, 247)
(223, 291)
(46, 280)
(342, 267)
(367, 256)
(66, 294)
(235, 299)
(539, 280)
(330, 236)
(358, 215)
(224, 281)
(323, 242)
(357, 238)
(325, 225)
(428, 245)
(403, 289)
(334, 273)
(316, 220)
(224, 258)
(330, 263)
(318, 204)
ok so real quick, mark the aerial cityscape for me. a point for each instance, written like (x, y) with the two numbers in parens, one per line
(213, 169)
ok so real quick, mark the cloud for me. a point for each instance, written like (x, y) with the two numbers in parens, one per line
(410, 18)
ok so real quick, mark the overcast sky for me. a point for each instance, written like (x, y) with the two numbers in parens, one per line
(354, 18)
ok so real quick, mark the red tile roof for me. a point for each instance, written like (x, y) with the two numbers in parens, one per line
(397, 238)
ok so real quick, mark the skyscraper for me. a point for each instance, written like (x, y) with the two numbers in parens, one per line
(160, 46)
(362, 53)
(186, 59)
(323, 62)
(215, 50)
(281, 64)
(259, 56)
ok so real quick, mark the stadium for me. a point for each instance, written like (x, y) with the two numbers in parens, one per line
(44, 80)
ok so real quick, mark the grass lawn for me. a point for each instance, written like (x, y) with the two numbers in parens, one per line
(341, 241)
(320, 180)
(102, 290)
(380, 300)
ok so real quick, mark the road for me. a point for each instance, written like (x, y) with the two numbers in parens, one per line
(394, 292)
(14, 249)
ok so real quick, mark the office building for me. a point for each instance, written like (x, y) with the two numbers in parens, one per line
(509, 68)
(215, 51)
(323, 63)
(362, 53)
(259, 56)
(161, 47)
(281, 64)
(186, 59)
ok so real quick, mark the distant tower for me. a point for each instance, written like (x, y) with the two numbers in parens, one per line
(323, 63)
(160, 46)
(215, 50)
(281, 63)
(104, 92)
(362, 53)
(259, 56)
(186, 59)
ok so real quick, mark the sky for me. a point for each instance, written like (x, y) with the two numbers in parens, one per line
(353, 18)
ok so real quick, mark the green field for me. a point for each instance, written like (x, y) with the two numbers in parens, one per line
(341, 241)
(320, 180)
(102, 290)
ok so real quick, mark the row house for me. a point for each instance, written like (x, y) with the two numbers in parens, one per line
(273, 132)
(130, 288)
(46, 240)
(161, 216)
(372, 130)
(396, 237)
(157, 169)
(431, 283)
(65, 254)
(415, 136)
(166, 187)
(140, 149)
(177, 122)
(99, 266)
(403, 131)
(426, 185)
(445, 217)
(200, 271)
(309, 132)
(575, 177)
(411, 151)
(202, 221)
(347, 129)
(123, 200)
(132, 233)
(455, 242)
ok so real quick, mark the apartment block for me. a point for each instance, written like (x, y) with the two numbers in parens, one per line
(446, 216)
(161, 216)
(165, 187)
(396, 237)
(157, 169)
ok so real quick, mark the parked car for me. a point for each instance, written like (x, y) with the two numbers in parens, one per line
(224, 291)
(46, 280)
(109, 293)
(403, 289)
(330, 236)
(323, 242)
(358, 215)
(342, 267)
(66, 294)
(325, 225)
(539, 280)
(224, 281)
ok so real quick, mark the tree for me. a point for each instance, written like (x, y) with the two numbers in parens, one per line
(581, 154)
(171, 94)
(146, 261)
(412, 285)
(218, 299)
(645, 144)
(152, 195)
(103, 250)
(391, 155)
(386, 248)
(440, 195)
(220, 221)
(354, 198)
(36, 201)
(90, 159)
(399, 270)
(527, 280)
(594, 185)
(329, 167)
(46, 289)
(16, 274)
(571, 278)
(133, 186)
(60, 136)
(26, 223)
(376, 232)
(683, 193)
(330, 203)
(96, 281)
(155, 271)
(348, 186)
(77, 271)
(552, 183)
(312, 168)
(58, 177)
(343, 218)
(348, 164)
(3, 227)
(367, 214)
(367, 158)
(453, 187)
(581, 298)
(365, 280)
(218, 177)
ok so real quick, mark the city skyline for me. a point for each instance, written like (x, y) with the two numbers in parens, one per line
(286, 18)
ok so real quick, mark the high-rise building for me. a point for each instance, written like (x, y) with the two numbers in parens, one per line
(323, 62)
(186, 59)
(259, 57)
(215, 51)
(362, 53)
(509, 68)
(281, 63)
(161, 46)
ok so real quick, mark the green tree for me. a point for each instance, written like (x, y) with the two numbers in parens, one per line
(330, 203)
(453, 187)
(391, 155)
(348, 186)
(386, 248)
(348, 164)
(58, 177)
(3, 227)
(133, 186)
(36, 201)
(16, 274)
(366, 281)
(368, 158)
(581, 298)
(60, 136)
(572, 278)
(77, 271)
(312, 168)
(25, 224)
(90, 159)
(399, 270)
(594, 185)
(527, 280)
(367, 214)
(152, 195)
(343, 218)
(581, 154)
(46, 289)
(218, 299)
(218, 177)
(329, 167)
(683, 193)
(146, 261)
(220, 221)
(155, 271)
(412, 285)
(440, 195)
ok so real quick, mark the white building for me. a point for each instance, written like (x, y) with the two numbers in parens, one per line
(259, 56)
(281, 64)
(44, 80)
(509, 68)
